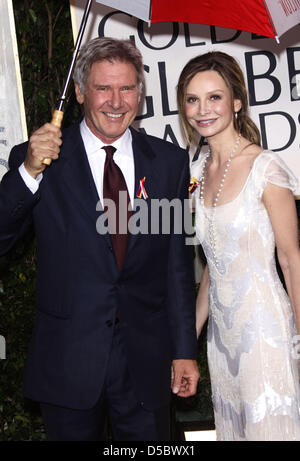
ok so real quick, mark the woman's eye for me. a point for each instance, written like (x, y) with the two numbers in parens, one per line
(191, 99)
(215, 97)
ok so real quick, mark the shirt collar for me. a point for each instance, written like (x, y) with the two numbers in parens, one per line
(92, 144)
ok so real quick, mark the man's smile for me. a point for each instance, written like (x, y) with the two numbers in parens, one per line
(109, 114)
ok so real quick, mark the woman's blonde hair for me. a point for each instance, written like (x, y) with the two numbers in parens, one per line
(228, 68)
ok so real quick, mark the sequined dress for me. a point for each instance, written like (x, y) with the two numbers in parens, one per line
(251, 333)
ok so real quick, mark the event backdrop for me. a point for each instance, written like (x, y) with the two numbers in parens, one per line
(12, 114)
(272, 72)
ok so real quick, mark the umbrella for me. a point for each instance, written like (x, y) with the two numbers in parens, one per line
(270, 18)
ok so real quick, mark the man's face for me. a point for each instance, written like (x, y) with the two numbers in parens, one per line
(110, 99)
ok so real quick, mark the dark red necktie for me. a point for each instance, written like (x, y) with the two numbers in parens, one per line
(113, 184)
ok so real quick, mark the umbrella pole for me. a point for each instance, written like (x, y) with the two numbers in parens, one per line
(58, 113)
(271, 22)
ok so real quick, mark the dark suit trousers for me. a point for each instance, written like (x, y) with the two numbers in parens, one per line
(129, 421)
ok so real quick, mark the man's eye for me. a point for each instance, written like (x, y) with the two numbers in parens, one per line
(128, 88)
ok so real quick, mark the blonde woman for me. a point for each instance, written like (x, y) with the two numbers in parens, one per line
(244, 207)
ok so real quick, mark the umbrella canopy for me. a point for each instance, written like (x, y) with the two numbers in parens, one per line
(269, 18)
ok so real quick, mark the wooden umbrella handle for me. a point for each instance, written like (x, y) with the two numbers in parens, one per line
(56, 121)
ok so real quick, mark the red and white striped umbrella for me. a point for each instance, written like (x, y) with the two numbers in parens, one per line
(270, 18)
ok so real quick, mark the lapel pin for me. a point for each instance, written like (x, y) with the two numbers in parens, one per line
(193, 185)
(142, 191)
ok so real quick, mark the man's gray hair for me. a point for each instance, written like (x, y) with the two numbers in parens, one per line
(109, 49)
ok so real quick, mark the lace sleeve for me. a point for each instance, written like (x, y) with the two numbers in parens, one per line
(272, 169)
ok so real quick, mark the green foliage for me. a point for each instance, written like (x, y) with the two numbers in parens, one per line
(19, 419)
(45, 42)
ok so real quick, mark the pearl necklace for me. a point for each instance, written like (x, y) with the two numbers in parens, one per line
(211, 219)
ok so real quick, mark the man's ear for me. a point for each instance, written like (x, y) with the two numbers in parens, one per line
(79, 95)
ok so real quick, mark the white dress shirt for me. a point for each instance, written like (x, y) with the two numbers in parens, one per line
(123, 157)
(96, 158)
(31, 183)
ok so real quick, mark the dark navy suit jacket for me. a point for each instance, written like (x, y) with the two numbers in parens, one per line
(79, 287)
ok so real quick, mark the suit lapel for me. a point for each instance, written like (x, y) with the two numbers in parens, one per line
(78, 178)
(144, 164)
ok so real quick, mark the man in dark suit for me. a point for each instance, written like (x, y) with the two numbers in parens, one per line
(113, 312)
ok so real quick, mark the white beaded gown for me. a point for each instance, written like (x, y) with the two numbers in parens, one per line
(251, 333)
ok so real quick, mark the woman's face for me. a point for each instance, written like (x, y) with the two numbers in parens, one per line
(208, 105)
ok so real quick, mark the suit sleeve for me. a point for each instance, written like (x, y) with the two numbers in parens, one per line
(16, 202)
(181, 286)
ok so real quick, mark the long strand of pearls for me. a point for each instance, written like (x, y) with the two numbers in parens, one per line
(211, 224)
